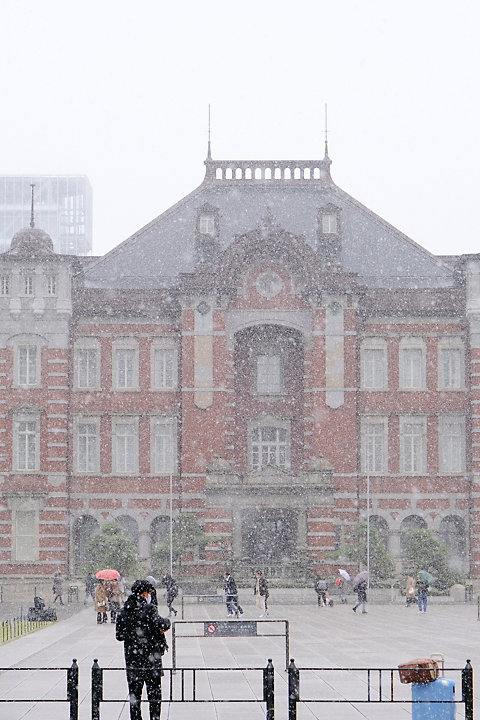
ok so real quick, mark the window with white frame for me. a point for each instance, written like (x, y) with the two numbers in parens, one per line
(206, 224)
(28, 284)
(51, 285)
(4, 285)
(374, 444)
(269, 445)
(87, 363)
(373, 367)
(164, 366)
(269, 377)
(413, 444)
(451, 443)
(125, 445)
(451, 364)
(28, 365)
(25, 536)
(329, 224)
(163, 445)
(412, 365)
(26, 442)
(125, 365)
(87, 445)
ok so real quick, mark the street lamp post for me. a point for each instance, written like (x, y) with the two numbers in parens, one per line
(171, 525)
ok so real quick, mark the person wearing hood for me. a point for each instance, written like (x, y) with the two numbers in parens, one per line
(153, 592)
(172, 592)
(142, 630)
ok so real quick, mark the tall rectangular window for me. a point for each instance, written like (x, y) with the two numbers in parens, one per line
(451, 443)
(269, 381)
(329, 224)
(412, 368)
(374, 445)
(125, 446)
(28, 284)
(206, 224)
(125, 368)
(164, 368)
(163, 445)
(413, 445)
(374, 368)
(51, 285)
(268, 446)
(87, 446)
(450, 371)
(26, 442)
(4, 285)
(27, 365)
(86, 360)
(25, 529)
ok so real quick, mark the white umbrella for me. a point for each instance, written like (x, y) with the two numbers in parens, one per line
(344, 574)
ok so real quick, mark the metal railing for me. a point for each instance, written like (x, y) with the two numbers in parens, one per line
(71, 681)
(379, 687)
(183, 686)
(17, 627)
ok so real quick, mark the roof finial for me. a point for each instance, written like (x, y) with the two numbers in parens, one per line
(209, 153)
(32, 217)
(326, 132)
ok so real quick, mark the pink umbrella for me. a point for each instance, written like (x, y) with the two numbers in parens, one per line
(360, 577)
(107, 574)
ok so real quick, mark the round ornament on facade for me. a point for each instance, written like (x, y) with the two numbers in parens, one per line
(269, 284)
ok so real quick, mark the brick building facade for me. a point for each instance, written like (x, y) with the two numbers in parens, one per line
(268, 354)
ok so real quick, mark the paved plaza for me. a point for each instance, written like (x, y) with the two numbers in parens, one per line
(319, 637)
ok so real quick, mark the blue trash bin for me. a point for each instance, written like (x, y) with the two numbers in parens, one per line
(441, 689)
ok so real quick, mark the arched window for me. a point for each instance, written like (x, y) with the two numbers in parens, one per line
(452, 533)
(381, 526)
(159, 529)
(129, 526)
(412, 522)
(84, 528)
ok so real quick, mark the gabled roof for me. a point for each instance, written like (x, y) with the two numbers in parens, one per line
(293, 193)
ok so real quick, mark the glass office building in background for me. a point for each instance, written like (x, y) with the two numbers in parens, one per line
(62, 207)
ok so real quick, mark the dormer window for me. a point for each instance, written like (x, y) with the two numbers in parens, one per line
(206, 224)
(329, 224)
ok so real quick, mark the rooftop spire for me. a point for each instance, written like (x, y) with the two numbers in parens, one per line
(209, 152)
(32, 217)
(326, 133)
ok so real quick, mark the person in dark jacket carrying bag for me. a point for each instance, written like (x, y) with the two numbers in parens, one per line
(231, 596)
(141, 629)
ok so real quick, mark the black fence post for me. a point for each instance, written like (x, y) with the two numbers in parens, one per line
(467, 690)
(97, 689)
(293, 690)
(72, 689)
(269, 690)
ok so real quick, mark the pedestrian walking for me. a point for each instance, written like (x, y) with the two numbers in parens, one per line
(361, 590)
(409, 591)
(172, 592)
(340, 584)
(57, 588)
(321, 588)
(114, 599)
(261, 593)
(153, 592)
(142, 630)
(90, 584)
(231, 596)
(422, 594)
(100, 602)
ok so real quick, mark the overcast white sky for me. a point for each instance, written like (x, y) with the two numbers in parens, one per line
(119, 91)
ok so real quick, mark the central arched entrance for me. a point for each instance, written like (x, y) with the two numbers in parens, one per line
(269, 535)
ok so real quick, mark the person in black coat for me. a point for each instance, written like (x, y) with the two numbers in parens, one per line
(141, 629)
(231, 595)
(361, 590)
(172, 592)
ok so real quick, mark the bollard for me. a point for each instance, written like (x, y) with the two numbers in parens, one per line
(72, 689)
(467, 690)
(269, 690)
(97, 689)
(293, 690)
